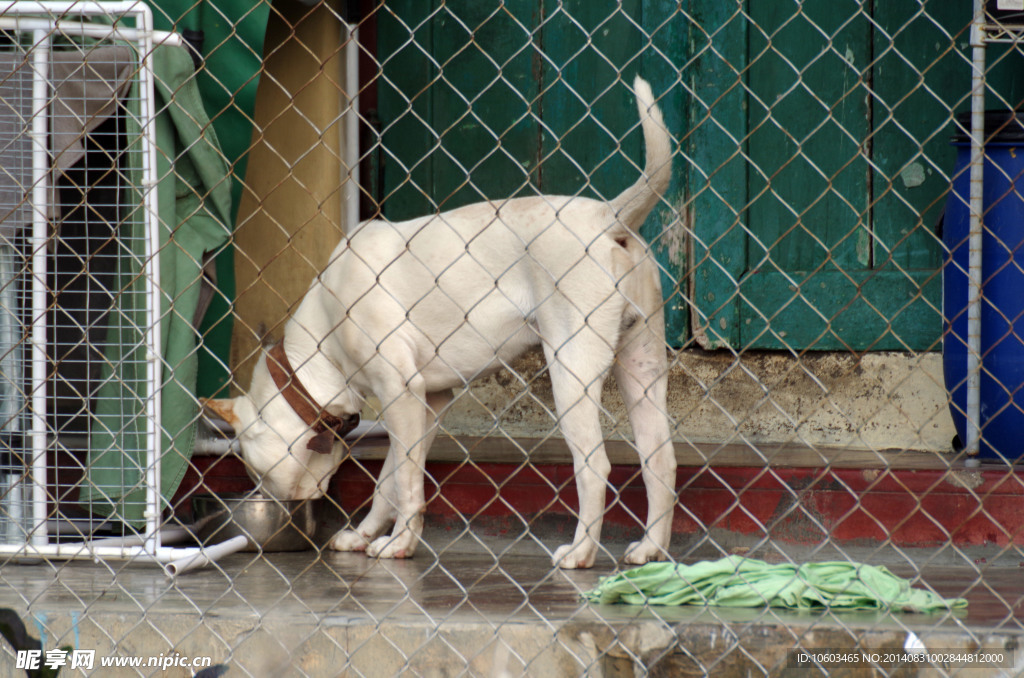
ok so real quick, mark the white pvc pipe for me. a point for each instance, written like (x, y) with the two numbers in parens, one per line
(975, 233)
(205, 556)
(78, 28)
(87, 551)
(351, 141)
(75, 6)
(151, 276)
(39, 241)
(175, 560)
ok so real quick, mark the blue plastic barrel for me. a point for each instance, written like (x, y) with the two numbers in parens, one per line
(1002, 309)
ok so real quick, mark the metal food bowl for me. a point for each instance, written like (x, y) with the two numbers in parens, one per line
(268, 524)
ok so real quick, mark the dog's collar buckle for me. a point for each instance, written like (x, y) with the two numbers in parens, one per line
(327, 428)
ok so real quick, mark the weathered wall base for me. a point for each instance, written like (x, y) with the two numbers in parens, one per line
(874, 401)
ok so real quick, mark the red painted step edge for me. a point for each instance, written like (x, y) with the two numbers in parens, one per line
(907, 507)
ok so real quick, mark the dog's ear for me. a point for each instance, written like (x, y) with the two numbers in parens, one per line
(224, 408)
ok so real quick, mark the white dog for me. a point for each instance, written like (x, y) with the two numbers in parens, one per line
(408, 311)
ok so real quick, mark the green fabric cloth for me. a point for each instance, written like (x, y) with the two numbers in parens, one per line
(745, 582)
(195, 213)
(232, 61)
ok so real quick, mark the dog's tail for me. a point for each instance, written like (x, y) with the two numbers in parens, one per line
(633, 204)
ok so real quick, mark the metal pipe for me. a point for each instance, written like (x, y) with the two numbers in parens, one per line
(975, 233)
(216, 447)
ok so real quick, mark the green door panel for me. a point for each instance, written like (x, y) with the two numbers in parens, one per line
(588, 48)
(912, 157)
(717, 171)
(823, 310)
(807, 116)
(827, 242)
(489, 100)
(814, 152)
(483, 102)
(665, 53)
(405, 91)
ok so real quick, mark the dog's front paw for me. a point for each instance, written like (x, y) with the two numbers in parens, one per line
(574, 556)
(349, 540)
(392, 546)
(640, 552)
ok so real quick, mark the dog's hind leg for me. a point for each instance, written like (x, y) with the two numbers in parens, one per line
(578, 360)
(641, 371)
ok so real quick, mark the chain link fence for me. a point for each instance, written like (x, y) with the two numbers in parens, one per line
(764, 310)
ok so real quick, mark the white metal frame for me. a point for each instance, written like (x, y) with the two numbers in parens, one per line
(39, 19)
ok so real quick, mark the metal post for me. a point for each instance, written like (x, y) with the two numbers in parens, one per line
(974, 275)
(151, 217)
(36, 476)
(350, 144)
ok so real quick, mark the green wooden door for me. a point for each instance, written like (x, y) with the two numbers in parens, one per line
(814, 145)
(487, 100)
(821, 170)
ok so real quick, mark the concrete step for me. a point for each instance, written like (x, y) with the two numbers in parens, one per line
(742, 494)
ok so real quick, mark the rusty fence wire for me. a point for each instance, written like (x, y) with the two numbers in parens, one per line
(357, 338)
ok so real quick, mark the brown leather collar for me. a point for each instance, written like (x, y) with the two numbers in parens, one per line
(325, 425)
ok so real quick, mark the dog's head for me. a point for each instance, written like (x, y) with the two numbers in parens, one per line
(274, 441)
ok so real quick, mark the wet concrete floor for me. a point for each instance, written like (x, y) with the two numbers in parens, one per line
(455, 584)
(481, 605)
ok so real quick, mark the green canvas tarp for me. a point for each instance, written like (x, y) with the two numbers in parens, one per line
(195, 216)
